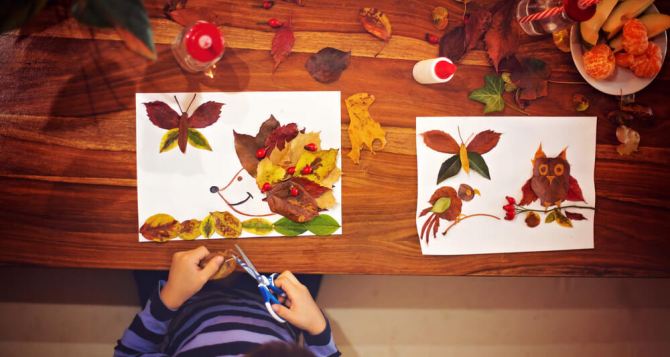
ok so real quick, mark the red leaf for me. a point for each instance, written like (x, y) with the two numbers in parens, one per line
(282, 44)
(246, 145)
(479, 21)
(484, 142)
(440, 141)
(327, 65)
(206, 115)
(161, 115)
(452, 44)
(311, 187)
(280, 136)
(574, 191)
(502, 39)
(575, 216)
(528, 195)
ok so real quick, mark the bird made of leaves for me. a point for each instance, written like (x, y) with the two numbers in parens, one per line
(465, 156)
(182, 128)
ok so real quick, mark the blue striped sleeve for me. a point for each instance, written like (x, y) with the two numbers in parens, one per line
(146, 333)
(323, 344)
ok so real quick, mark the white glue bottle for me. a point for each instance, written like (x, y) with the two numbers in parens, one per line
(434, 70)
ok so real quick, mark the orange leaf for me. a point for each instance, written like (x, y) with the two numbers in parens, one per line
(484, 142)
(375, 22)
(440, 141)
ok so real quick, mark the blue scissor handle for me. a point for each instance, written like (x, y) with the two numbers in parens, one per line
(267, 296)
(274, 287)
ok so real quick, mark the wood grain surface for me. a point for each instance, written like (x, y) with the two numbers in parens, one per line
(67, 145)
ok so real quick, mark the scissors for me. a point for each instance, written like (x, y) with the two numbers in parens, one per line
(266, 285)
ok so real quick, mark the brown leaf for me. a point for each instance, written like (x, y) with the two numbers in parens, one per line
(484, 142)
(246, 145)
(282, 44)
(531, 76)
(228, 266)
(478, 22)
(300, 208)
(327, 65)
(502, 39)
(452, 44)
(532, 219)
(160, 227)
(375, 22)
(161, 115)
(574, 191)
(206, 115)
(529, 195)
(629, 139)
(575, 216)
(313, 188)
(440, 141)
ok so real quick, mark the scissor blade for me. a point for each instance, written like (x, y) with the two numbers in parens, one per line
(248, 261)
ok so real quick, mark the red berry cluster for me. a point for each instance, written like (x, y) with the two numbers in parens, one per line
(432, 39)
(510, 208)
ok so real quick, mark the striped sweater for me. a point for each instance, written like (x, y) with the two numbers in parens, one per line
(212, 323)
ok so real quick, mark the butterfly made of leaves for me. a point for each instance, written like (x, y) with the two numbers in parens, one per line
(182, 128)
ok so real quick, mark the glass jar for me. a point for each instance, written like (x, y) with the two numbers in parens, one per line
(571, 12)
(198, 47)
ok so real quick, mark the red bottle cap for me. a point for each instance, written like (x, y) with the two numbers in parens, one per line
(203, 41)
(576, 13)
(444, 69)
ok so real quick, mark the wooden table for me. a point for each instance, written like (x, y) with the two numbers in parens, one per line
(67, 146)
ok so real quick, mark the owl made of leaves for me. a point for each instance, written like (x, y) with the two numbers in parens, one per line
(551, 182)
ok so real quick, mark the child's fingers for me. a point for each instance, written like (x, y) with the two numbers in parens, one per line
(283, 312)
(212, 266)
(199, 253)
(289, 287)
(290, 276)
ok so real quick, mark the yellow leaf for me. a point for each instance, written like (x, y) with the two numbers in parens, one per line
(465, 163)
(562, 39)
(326, 200)
(190, 229)
(257, 226)
(160, 227)
(226, 225)
(169, 140)
(207, 226)
(323, 162)
(562, 220)
(477, 192)
(332, 177)
(363, 130)
(268, 172)
(299, 142)
(281, 157)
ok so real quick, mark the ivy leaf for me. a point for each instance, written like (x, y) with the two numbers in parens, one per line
(327, 65)
(169, 140)
(197, 140)
(246, 145)
(289, 228)
(282, 44)
(322, 225)
(491, 94)
(575, 216)
(449, 168)
(440, 141)
(257, 226)
(160, 227)
(442, 204)
(502, 38)
(483, 142)
(478, 164)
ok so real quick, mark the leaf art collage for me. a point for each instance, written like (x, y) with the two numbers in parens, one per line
(248, 164)
(505, 184)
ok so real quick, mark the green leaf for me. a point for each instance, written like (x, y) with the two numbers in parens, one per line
(322, 225)
(128, 17)
(287, 227)
(441, 205)
(169, 140)
(490, 94)
(197, 140)
(17, 13)
(207, 226)
(550, 217)
(478, 164)
(449, 168)
(259, 226)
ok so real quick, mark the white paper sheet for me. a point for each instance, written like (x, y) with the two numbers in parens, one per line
(179, 184)
(510, 167)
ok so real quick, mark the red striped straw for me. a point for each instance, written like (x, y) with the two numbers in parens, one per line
(583, 4)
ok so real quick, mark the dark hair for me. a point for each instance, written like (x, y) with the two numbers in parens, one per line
(280, 349)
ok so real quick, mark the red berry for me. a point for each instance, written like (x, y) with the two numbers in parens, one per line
(509, 207)
(306, 170)
(290, 170)
(260, 153)
(274, 23)
(310, 147)
(266, 187)
(267, 5)
(510, 200)
(432, 39)
(294, 191)
(509, 215)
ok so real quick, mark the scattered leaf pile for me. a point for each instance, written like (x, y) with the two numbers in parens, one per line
(363, 130)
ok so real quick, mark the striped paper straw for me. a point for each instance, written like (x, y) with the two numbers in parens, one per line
(583, 4)
(542, 14)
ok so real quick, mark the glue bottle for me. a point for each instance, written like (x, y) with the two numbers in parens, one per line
(198, 47)
(434, 70)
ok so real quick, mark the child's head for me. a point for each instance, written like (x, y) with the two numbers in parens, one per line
(280, 349)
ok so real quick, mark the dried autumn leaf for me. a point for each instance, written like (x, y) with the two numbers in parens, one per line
(629, 139)
(227, 267)
(326, 200)
(452, 44)
(363, 130)
(282, 44)
(327, 65)
(528, 195)
(562, 39)
(531, 76)
(491, 94)
(161, 115)
(449, 168)
(297, 145)
(226, 225)
(466, 192)
(562, 220)
(483, 142)
(580, 102)
(440, 141)
(190, 229)
(550, 217)
(280, 136)
(169, 140)
(375, 22)
(509, 85)
(502, 38)
(197, 140)
(257, 226)
(575, 216)
(322, 162)
(332, 178)
(532, 219)
(246, 145)
(574, 191)
(478, 22)
(268, 172)
(640, 112)
(207, 226)
(205, 115)
(300, 208)
(160, 227)
(440, 17)
(311, 187)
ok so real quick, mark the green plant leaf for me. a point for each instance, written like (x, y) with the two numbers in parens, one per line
(478, 164)
(169, 140)
(16, 13)
(197, 140)
(259, 226)
(449, 168)
(441, 205)
(490, 94)
(322, 225)
(128, 17)
(550, 217)
(287, 227)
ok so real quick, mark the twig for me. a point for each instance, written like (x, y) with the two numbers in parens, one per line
(565, 82)
(523, 209)
(470, 216)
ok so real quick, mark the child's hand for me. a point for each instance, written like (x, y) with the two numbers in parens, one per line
(301, 309)
(186, 278)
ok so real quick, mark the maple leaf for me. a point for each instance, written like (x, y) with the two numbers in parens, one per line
(502, 38)
(299, 208)
(327, 65)
(490, 94)
(282, 44)
(363, 130)
(478, 22)
(452, 44)
(247, 145)
(483, 142)
(530, 75)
